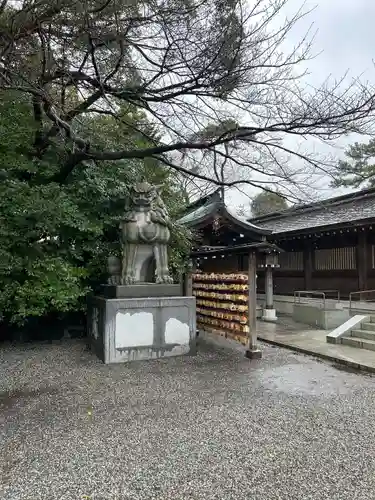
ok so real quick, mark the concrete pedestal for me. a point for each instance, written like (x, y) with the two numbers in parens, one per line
(129, 329)
(269, 315)
(253, 354)
(326, 319)
(141, 290)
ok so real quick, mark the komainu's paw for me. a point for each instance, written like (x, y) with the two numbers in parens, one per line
(128, 280)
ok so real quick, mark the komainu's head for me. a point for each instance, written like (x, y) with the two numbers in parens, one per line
(143, 194)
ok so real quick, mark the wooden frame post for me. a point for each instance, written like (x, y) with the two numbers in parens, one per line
(308, 265)
(252, 352)
(362, 260)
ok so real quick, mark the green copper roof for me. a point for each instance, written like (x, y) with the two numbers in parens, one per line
(217, 207)
(199, 214)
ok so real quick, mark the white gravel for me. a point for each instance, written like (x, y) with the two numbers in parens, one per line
(214, 426)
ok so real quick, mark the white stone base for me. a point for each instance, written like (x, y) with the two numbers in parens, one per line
(269, 315)
(126, 329)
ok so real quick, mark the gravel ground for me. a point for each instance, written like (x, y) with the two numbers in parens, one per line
(214, 426)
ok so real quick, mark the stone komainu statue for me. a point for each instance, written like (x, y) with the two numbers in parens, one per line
(114, 270)
(145, 233)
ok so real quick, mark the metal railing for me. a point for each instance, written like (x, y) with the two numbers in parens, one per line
(307, 294)
(360, 293)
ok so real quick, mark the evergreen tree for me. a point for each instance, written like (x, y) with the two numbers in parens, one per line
(55, 238)
(267, 202)
(358, 170)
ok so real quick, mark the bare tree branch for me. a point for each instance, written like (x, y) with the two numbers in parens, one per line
(212, 76)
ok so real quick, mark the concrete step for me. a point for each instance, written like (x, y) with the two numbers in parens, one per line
(368, 326)
(363, 334)
(372, 319)
(358, 342)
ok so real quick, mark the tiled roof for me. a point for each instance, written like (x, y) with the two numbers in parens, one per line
(341, 210)
(213, 208)
(213, 196)
(198, 214)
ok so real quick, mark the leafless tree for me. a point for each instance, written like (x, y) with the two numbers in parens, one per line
(212, 75)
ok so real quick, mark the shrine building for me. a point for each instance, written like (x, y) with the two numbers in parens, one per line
(324, 246)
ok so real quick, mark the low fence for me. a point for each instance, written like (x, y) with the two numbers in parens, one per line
(359, 299)
(316, 297)
(361, 302)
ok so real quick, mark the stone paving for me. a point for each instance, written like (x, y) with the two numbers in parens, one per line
(308, 340)
(214, 426)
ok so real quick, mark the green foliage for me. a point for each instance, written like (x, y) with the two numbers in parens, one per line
(16, 132)
(359, 168)
(267, 202)
(55, 237)
(47, 284)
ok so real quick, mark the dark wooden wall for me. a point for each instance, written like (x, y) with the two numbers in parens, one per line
(228, 264)
(352, 248)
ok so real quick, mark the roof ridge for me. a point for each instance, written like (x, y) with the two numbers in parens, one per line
(215, 206)
(203, 200)
(311, 207)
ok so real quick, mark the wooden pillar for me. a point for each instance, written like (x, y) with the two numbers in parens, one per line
(362, 260)
(252, 352)
(308, 265)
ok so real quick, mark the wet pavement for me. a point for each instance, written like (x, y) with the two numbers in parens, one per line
(303, 338)
(214, 426)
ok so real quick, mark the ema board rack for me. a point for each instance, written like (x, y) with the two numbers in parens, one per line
(222, 303)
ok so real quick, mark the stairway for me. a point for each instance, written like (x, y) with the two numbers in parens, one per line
(364, 338)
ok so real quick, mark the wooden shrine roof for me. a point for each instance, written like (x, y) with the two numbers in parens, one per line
(353, 208)
(201, 214)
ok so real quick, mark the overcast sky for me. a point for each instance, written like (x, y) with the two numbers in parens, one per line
(344, 42)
